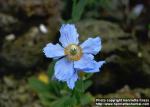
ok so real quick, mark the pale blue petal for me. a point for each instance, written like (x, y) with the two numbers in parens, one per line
(86, 62)
(64, 69)
(53, 51)
(68, 35)
(97, 67)
(72, 80)
(91, 45)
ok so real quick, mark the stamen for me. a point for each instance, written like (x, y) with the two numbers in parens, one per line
(73, 52)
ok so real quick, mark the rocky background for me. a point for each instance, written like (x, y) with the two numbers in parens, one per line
(26, 26)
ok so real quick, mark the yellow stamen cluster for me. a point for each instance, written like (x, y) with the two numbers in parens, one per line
(73, 52)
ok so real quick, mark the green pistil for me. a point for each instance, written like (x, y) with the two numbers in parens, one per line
(73, 51)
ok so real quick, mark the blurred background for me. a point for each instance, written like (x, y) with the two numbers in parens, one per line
(26, 26)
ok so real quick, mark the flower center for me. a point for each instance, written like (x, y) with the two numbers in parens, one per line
(73, 52)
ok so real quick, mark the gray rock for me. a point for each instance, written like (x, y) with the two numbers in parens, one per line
(13, 97)
(25, 51)
(8, 23)
(113, 37)
(125, 61)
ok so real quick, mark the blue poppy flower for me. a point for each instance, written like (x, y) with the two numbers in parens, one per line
(72, 56)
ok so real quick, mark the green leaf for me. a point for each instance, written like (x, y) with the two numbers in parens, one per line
(51, 69)
(81, 85)
(149, 26)
(47, 96)
(65, 101)
(46, 99)
(78, 9)
(87, 84)
(37, 85)
(86, 99)
(88, 75)
(55, 87)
